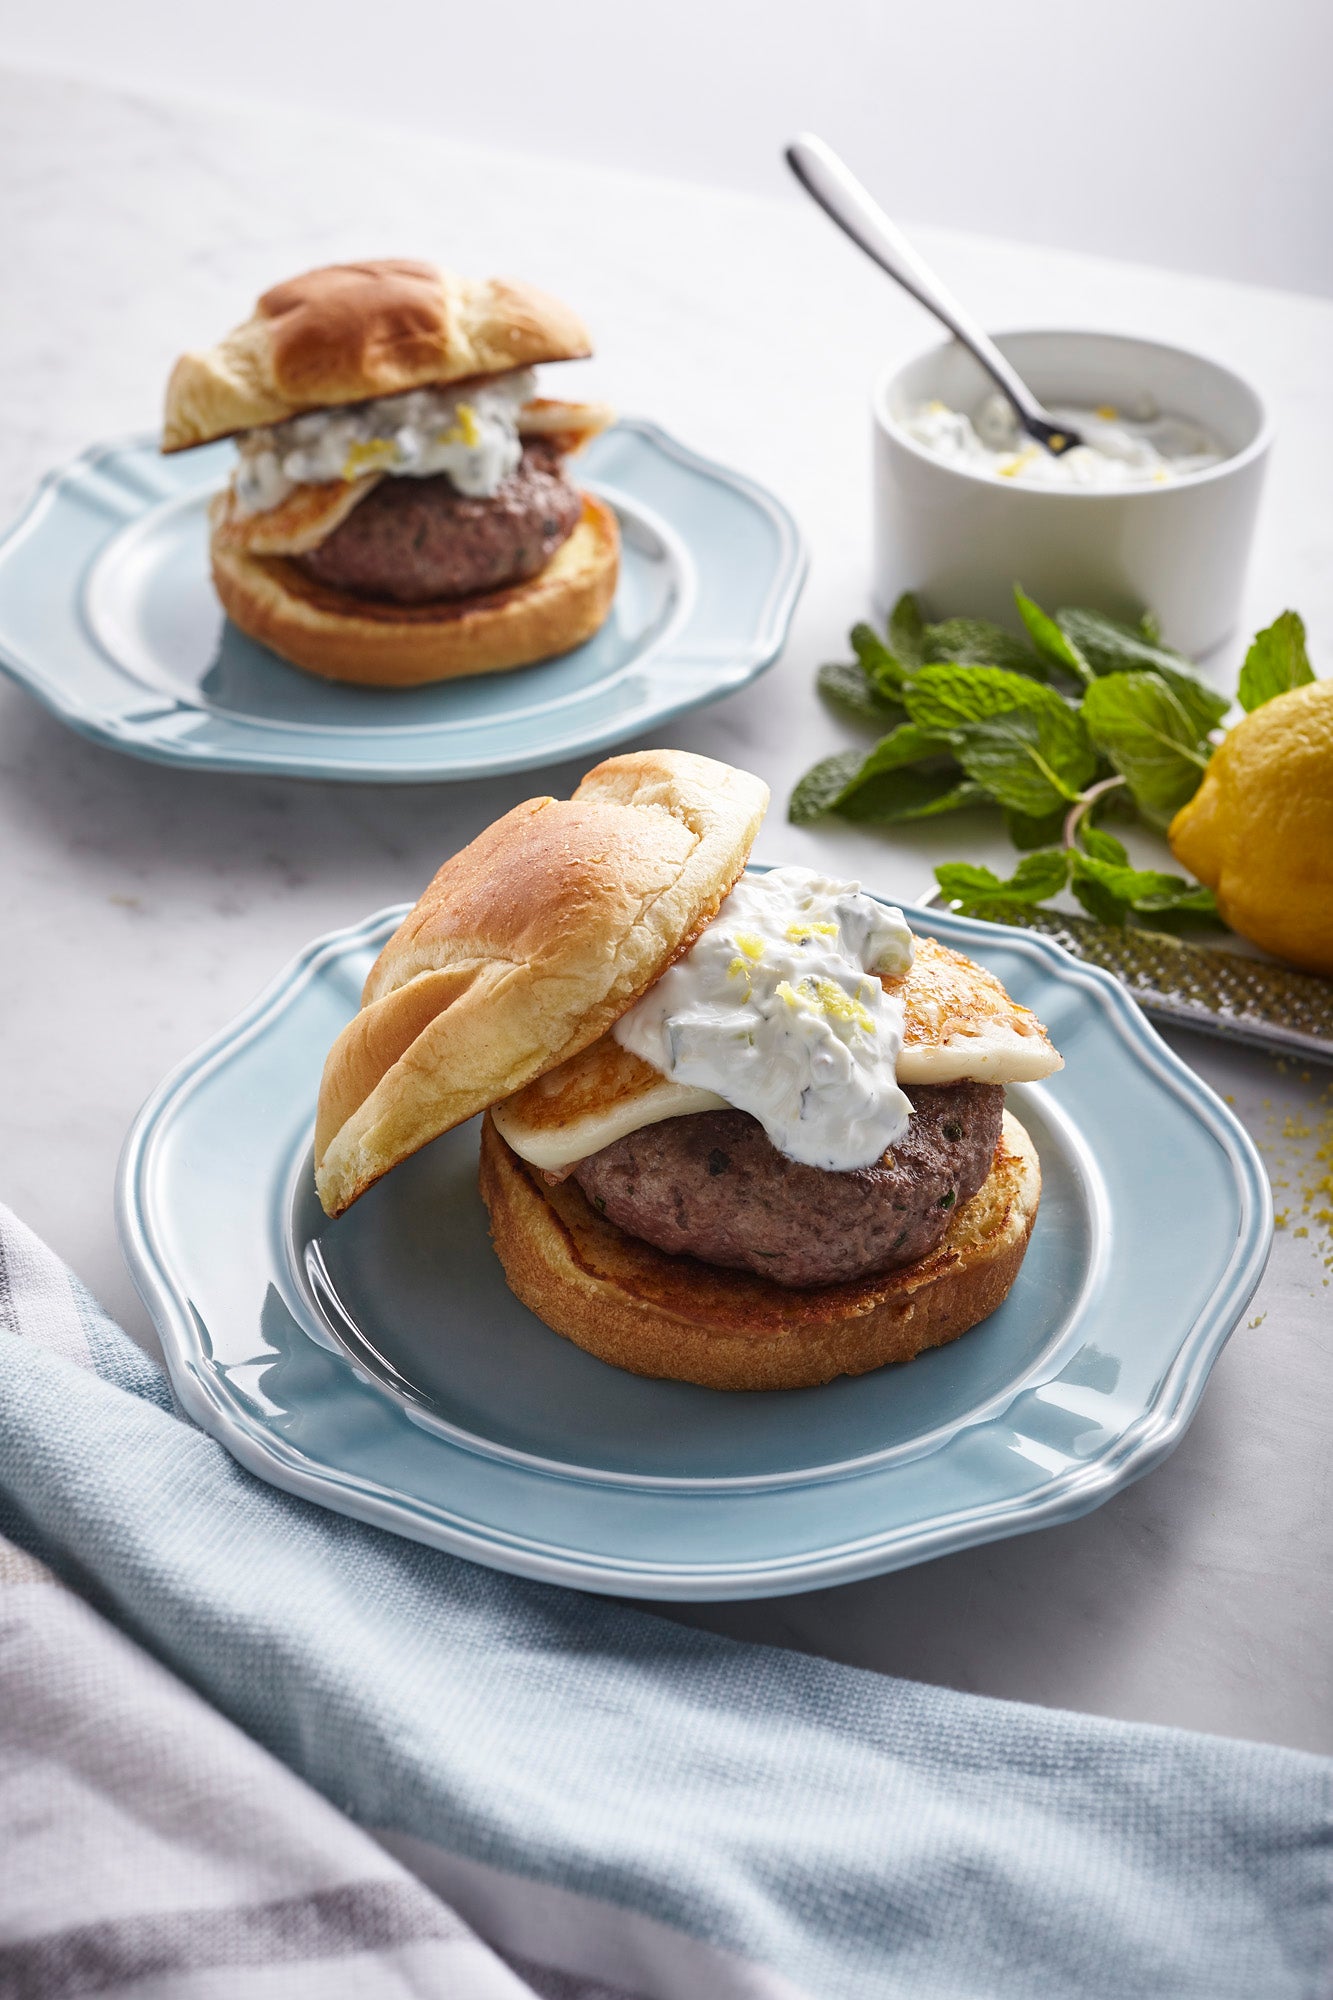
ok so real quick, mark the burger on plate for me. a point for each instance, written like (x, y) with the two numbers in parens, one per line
(741, 1129)
(401, 509)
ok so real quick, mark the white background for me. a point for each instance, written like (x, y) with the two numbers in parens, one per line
(1195, 134)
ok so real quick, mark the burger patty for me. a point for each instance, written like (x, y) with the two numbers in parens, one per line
(713, 1186)
(415, 540)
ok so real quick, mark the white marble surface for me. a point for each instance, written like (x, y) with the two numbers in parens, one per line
(142, 907)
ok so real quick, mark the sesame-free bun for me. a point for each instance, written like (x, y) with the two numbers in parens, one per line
(374, 643)
(527, 945)
(349, 332)
(654, 1314)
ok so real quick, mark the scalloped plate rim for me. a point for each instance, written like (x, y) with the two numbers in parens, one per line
(117, 732)
(1136, 1450)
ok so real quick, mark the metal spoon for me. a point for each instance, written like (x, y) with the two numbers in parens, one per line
(842, 197)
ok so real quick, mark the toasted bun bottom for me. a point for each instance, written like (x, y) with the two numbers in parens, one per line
(378, 644)
(654, 1314)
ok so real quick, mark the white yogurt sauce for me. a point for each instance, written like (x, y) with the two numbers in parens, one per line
(1120, 448)
(470, 433)
(777, 1009)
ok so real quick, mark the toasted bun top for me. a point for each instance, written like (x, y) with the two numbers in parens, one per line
(525, 948)
(351, 331)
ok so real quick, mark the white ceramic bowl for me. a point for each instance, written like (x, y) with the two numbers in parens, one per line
(963, 539)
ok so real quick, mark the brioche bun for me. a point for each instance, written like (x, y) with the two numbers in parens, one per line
(525, 948)
(654, 1314)
(349, 332)
(373, 643)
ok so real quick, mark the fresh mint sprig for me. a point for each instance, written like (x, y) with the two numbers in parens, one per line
(1006, 733)
(1102, 878)
(1083, 711)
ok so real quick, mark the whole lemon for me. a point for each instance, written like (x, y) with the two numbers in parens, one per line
(1259, 830)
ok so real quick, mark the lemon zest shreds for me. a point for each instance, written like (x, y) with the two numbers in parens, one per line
(465, 430)
(834, 1000)
(752, 946)
(369, 457)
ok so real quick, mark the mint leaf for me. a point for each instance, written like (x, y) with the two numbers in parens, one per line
(1042, 831)
(906, 633)
(910, 774)
(882, 670)
(823, 782)
(1103, 846)
(1150, 627)
(1049, 639)
(979, 642)
(1112, 648)
(1022, 760)
(1109, 891)
(878, 785)
(846, 684)
(1037, 877)
(1099, 889)
(945, 697)
(907, 744)
(1204, 706)
(964, 881)
(1276, 662)
(1188, 899)
(1016, 737)
(915, 792)
(1141, 725)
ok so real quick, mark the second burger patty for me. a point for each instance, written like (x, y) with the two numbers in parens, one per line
(417, 540)
(713, 1186)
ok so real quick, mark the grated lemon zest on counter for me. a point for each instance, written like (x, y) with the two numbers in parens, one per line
(1107, 412)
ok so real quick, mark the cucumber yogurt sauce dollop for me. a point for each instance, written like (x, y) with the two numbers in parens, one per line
(777, 1008)
(469, 432)
(1119, 449)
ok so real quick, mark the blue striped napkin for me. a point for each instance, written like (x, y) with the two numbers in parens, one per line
(293, 1754)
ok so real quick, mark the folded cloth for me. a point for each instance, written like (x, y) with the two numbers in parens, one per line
(566, 1796)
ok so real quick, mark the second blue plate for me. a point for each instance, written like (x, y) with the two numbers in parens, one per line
(108, 616)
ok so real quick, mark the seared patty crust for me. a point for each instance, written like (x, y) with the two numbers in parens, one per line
(713, 1186)
(415, 541)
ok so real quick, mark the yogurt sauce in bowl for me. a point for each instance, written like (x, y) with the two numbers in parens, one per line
(1138, 447)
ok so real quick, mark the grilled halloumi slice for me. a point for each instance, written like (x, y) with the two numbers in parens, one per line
(960, 1025)
(307, 517)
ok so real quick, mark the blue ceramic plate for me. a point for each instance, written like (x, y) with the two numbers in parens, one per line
(107, 614)
(379, 1364)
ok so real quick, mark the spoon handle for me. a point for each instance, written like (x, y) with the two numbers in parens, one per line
(842, 197)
